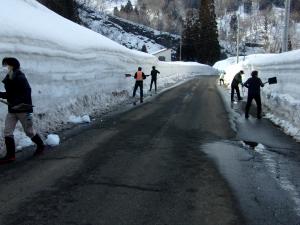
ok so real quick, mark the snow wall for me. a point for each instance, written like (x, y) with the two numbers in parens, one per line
(283, 99)
(73, 70)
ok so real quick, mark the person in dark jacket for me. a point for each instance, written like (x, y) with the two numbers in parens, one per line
(18, 96)
(253, 84)
(154, 73)
(235, 85)
(139, 76)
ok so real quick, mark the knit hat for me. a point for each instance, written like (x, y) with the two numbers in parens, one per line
(9, 61)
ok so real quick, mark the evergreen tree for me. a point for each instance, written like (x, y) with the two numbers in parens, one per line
(248, 6)
(128, 7)
(208, 46)
(233, 23)
(144, 48)
(189, 36)
(116, 11)
(66, 8)
(136, 11)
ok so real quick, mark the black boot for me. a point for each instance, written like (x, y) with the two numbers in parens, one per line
(10, 151)
(40, 146)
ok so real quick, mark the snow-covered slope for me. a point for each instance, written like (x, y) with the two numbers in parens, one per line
(127, 33)
(282, 99)
(261, 31)
(72, 70)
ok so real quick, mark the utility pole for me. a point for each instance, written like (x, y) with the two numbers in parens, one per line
(238, 38)
(180, 43)
(286, 26)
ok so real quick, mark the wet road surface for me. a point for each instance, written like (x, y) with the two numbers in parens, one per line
(143, 166)
(262, 166)
(184, 157)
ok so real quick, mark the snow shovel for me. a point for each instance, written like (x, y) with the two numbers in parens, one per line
(3, 101)
(272, 80)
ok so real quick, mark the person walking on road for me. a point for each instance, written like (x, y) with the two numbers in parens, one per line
(253, 84)
(235, 85)
(139, 77)
(154, 73)
(18, 96)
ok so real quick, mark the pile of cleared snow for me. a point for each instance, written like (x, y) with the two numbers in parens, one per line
(72, 70)
(282, 99)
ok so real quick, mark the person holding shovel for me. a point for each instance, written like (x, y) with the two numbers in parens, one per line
(253, 84)
(18, 96)
(139, 76)
(235, 85)
(154, 73)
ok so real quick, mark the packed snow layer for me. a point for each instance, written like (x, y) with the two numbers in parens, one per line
(282, 99)
(72, 70)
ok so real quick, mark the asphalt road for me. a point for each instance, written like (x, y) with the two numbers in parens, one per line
(262, 167)
(143, 166)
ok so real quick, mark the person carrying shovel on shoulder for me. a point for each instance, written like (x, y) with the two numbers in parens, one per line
(18, 96)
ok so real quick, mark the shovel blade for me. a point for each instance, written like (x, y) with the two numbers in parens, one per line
(272, 80)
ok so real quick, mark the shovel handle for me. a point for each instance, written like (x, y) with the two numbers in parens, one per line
(3, 101)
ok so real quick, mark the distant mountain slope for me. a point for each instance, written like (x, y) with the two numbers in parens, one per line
(127, 33)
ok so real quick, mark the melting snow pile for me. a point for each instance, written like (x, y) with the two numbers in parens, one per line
(283, 99)
(72, 70)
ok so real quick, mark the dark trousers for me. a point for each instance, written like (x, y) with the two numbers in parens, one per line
(153, 81)
(236, 88)
(138, 84)
(258, 104)
(221, 81)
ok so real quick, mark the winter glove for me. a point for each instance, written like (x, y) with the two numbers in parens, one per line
(3, 95)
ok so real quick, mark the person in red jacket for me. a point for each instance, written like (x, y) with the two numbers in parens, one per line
(18, 97)
(139, 76)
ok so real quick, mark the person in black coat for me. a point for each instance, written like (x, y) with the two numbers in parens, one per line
(235, 85)
(18, 97)
(253, 84)
(154, 73)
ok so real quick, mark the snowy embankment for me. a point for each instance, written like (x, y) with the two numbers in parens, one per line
(283, 99)
(72, 70)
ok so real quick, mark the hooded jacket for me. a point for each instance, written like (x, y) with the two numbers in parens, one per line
(253, 84)
(18, 91)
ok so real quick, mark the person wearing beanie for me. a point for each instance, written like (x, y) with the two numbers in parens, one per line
(235, 85)
(253, 84)
(154, 73)
(18, 97)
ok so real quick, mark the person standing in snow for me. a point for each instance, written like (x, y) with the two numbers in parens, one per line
(139, 76)
(18, 96)
(221, 78)
(154, 73)
(235, 85)
(253, 84)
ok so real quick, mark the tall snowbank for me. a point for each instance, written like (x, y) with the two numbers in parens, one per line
(72, 70)
(282, 99)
